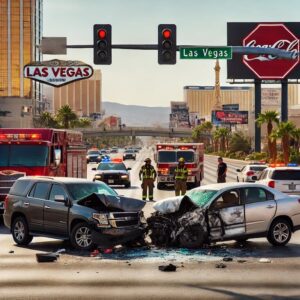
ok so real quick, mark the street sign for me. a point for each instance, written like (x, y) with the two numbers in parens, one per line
(267, 66)
(57, 72)
(54, 45)
(206, 53)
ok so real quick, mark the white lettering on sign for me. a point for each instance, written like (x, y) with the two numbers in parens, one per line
(291, 46)
(57, 75)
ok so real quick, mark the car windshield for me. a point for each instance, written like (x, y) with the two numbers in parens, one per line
(201, 197)
(111, 166)
(23, 155)
(128, 151)
(257, 168)
(93, 153)
(81, 190)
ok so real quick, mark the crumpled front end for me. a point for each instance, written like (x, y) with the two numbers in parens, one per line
(118, 220)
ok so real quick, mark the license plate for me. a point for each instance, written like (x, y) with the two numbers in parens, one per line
(110, 181)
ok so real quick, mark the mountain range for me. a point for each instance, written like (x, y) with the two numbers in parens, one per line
(138, 115)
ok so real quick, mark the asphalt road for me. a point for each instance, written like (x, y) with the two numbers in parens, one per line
(134, 274)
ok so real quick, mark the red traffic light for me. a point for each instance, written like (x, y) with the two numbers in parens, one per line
(167, 33)
(101, 33)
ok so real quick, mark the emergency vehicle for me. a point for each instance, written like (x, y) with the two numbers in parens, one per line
(167, 156)
(44, 152)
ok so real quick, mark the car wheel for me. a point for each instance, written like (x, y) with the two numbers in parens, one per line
(81, 237)
(20, 231)
(192, 237)
(280, 232)
(128, 185)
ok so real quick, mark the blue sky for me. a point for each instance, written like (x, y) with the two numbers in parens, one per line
(135, 77)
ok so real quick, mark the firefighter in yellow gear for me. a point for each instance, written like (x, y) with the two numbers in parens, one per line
(148, 175)
(181, 174)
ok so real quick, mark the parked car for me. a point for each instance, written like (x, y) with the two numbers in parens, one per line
(80, 210)
(284, 179)
(93, 156)
(113, 173)
(225, 211)
(129, 154)
(250, 172)
(114, 150)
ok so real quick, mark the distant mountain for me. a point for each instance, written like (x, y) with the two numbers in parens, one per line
(136, 115)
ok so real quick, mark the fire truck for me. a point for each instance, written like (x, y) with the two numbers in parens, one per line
(45, 152)
(167, 156)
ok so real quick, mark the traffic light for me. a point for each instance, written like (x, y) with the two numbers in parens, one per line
(167, 44)
(102, 44)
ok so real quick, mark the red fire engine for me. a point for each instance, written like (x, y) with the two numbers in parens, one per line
(167, 156)
(50, 152)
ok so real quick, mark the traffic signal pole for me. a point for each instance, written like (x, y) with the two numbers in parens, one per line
(257, 111)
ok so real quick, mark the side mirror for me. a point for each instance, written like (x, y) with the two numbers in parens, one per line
(238, 170)
(94, 169)
(60, 198)
(254, 178)
(128, 169)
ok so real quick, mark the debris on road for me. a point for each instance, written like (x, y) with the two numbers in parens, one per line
(241, 261)
(11, 251)
(94, 253)
(265, 260)
(46, 257)
(227, 258)
(167, 268)
(220, 266)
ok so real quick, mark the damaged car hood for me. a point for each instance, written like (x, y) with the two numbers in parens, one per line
(168, 205)
(103, 202)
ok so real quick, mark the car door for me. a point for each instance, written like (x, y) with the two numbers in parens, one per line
(56, 213)
(260, 208)
(34, 205)
(226, 215)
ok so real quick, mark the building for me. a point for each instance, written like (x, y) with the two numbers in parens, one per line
(201, 100)
(20, 32)
(83, 96)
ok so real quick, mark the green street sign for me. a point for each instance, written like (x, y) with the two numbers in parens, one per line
(206, 53)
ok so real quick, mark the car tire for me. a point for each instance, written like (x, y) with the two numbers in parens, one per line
(280, 232)
(81, 237)
(192, 237)
(20, 231)
(128, 185)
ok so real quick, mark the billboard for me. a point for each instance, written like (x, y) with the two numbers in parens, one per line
(179, 116)
(284, 36)
(219, 117)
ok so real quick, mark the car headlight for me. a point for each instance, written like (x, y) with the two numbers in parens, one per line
(124, 176)
(87, 157)
(102, 219)
(98, 176)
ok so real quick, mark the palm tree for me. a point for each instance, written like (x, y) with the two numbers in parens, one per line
(202, 133)
(296, 137)
(222, 134)
(47, 120)
(269, 117)
(285, 132)
(81, 123)
(65, 116)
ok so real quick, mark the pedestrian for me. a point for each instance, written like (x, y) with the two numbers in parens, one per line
(222, 169)
(181, 174)
(148, 175)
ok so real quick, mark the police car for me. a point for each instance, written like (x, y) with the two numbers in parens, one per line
(113, 172)
(283, 178)
(250, 172)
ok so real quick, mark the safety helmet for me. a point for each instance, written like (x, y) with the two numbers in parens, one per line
(147, 160)
(181, 160)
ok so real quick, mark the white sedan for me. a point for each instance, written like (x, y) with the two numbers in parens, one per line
(226, 211)
(250, 173)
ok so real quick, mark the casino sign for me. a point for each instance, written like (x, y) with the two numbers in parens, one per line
(58, 72)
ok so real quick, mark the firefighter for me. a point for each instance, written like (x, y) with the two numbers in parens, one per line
(147, 175)
(181, 174)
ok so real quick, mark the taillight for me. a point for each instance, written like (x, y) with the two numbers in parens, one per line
(250, 173)
(6, 202)
(271, 184)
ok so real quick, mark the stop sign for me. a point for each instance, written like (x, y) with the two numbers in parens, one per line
(266, 66)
